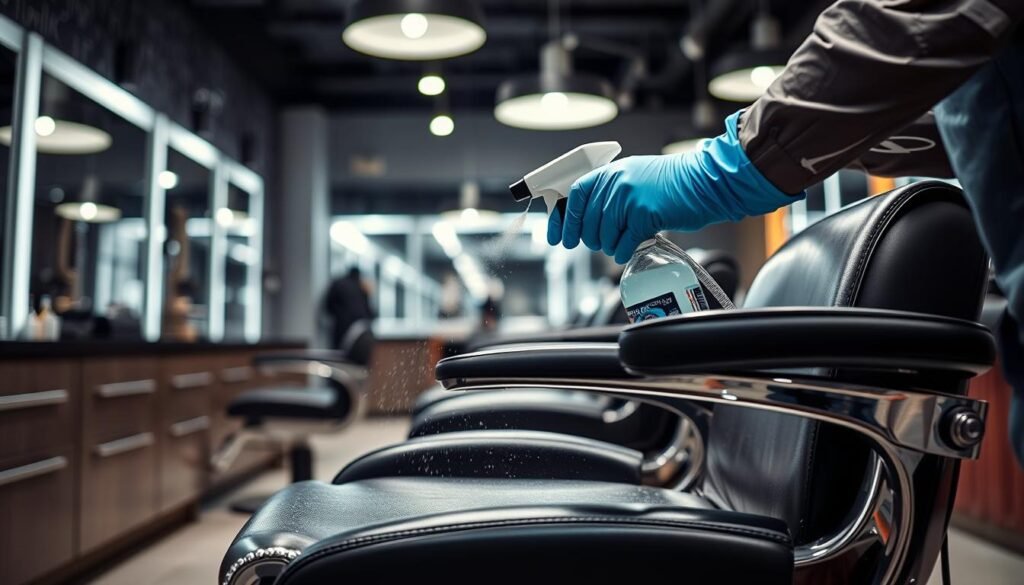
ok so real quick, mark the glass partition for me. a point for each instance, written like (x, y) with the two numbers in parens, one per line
(242, 257)
(88, 231)
(8, 69)
(186, 248)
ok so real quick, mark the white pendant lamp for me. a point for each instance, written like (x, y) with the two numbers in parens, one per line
(557, 99)
(743, 76)
(58, 129)
(415, 30)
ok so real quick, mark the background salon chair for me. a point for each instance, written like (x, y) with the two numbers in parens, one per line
(786, 496)
(664, 437)
(286, 416)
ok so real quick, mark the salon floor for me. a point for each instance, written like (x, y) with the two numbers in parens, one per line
(192, 554)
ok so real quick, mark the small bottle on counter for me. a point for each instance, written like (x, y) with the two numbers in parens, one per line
(47, 323)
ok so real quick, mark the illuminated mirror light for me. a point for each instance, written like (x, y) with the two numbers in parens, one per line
(444, 233)
(442, 125)
(167, 180)
(345, 233)
(431, 85)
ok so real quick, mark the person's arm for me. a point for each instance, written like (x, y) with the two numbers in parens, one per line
(870, 68)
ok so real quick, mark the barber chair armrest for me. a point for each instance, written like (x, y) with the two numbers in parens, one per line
(802, 337)
(683, 368)
(326, 364)
(604, 334)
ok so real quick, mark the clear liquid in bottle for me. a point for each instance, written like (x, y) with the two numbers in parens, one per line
(658, 282)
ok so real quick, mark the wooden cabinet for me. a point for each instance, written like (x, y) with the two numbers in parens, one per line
(186, 401)
(37, 513)
(119, 448)
(94, 448)
(39, 427)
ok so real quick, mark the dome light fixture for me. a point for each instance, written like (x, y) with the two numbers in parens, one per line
(167, 180)
(743, 76)
(88, 212)
(442, 125)
(431, 85)
(557, 99)
(56, 136)
(415, 30)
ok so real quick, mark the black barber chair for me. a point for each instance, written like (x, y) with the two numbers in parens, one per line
(287, 416)
(832, 456)
(671, 444)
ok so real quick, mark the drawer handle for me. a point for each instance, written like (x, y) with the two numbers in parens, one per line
(119, 446)
(193, 380)
(33, 399)
(16, 474)
(190, 426)
(236, 375)
(130, 388)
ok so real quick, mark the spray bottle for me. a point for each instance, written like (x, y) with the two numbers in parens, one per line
(552, 181)
(660, 279)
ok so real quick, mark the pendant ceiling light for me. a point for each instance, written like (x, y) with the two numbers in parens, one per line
(743, 76)
(557, 99)
(87, 208)
(415, 30)
(469, 213)
(60, 127)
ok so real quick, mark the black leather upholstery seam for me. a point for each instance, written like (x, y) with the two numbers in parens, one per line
(808, 472)
(870, 245)
(382, 538)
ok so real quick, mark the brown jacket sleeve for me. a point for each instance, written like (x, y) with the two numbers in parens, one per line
(857, 88)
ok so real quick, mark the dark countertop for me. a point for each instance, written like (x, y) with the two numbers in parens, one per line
(101, 347)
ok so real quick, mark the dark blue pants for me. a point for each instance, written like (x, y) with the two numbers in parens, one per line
(982, 124)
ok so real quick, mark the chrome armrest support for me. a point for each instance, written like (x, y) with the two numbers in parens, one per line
(910, 419)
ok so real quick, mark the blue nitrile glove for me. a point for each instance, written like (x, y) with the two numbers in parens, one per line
(618, 206)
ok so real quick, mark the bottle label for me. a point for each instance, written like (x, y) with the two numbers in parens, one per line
(666, 305)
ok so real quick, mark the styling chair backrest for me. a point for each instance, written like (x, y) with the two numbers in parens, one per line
(913, 249)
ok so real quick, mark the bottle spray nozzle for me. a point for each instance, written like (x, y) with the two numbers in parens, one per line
(553, 180)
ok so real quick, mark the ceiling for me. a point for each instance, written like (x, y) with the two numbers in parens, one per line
(294, 48)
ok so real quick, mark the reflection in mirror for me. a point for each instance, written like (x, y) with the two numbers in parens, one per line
(237, 221)
(187, 218)
(88, 230)
(8, 65)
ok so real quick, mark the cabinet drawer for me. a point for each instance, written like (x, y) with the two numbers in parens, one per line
(37, 402)
(184, 461)
(36, 515)
(188, 389)
(119, 487)
(119, 399)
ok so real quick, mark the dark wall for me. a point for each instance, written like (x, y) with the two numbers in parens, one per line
(170, 57)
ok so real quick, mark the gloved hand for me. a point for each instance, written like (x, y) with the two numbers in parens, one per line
(618, 206)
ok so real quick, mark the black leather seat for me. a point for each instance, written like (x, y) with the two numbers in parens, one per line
(290, 402)
(288, 415)
(773, 481)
